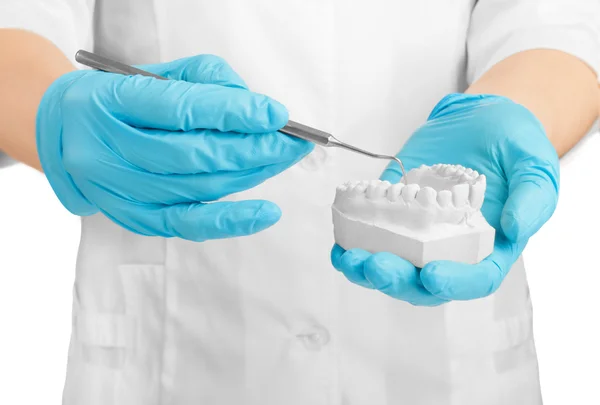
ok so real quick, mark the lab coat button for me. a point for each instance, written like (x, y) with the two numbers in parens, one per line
(315, 338)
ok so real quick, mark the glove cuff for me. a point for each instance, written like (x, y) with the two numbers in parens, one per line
(48, 133)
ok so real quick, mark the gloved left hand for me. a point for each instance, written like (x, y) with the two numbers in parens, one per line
(500, 139)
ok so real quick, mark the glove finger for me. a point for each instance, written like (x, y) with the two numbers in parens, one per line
(351, 264)
(116, 183)
(392, 173)
(531, 202)
(206, 151)
(399, 279)
(197, 222)
(206, 69)
(147, 102)
(457, 281)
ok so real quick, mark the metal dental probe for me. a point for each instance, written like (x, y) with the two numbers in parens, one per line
(292, 128)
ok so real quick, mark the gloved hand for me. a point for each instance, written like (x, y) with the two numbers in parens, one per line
(500, 139)
(150, 153)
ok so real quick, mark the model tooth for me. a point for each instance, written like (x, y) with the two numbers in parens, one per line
(377, 189)
(476, 195)
(460, 194)
(469, 171)
(370, 190)
(353, 191)
(451, 170)
(426, 196)
(475, 174)
(361, 187)
(409, 192)
(367, 183)
(465, 178)
(444, 198)
(477, 192)
(383, 188)
(393, 193)
(342, 188)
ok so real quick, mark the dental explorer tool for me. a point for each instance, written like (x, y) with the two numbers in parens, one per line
(292, 128)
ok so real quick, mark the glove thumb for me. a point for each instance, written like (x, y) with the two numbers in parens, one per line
(531, 202)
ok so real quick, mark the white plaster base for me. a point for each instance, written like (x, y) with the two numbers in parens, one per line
(465, 244)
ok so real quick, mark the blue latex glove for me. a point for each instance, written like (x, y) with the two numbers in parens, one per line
(500, 139)
(150, 153)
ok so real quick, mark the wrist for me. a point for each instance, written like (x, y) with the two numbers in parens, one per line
(48, 130)
(29, 64)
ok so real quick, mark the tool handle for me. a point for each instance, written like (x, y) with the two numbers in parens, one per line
(112, 66)
(307, 133)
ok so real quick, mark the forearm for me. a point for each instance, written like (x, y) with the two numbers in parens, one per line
(29, 64)
(559, 89)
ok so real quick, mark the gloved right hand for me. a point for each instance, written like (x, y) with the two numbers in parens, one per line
(149, 154)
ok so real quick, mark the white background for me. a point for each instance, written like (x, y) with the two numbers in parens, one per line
(38, 247)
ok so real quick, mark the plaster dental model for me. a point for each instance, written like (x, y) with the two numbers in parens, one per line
(434, 216)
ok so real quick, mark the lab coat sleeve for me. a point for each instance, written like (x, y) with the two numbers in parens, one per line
(66, 23)
(501, 28)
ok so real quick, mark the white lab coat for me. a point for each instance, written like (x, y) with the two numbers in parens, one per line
(265, 319)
